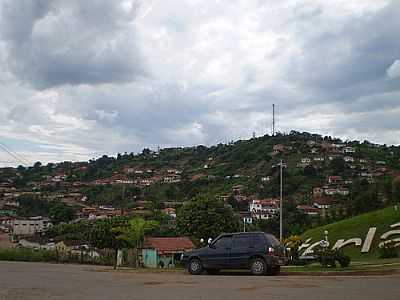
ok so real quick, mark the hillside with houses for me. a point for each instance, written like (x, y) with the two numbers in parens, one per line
(325, 179)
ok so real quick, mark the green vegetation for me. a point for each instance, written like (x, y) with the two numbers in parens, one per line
(204, 217)
(358, 227)
(33, 206)
(35, 255)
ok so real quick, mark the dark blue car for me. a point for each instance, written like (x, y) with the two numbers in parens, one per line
(259, 252)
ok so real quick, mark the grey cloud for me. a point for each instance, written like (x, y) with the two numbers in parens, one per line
(53, 43)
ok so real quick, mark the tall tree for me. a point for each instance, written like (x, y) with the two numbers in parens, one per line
(205, 217)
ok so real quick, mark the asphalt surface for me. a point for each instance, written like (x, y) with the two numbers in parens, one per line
(49, 281)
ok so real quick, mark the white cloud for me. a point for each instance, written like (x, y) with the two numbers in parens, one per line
(394, 70)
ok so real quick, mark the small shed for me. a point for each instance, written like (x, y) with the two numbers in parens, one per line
(164, 252)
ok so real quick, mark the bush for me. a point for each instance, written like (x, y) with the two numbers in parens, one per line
(389, 250)
(24, 254)
(329, 257)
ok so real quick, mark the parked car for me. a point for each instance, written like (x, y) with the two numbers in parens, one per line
(259, 252)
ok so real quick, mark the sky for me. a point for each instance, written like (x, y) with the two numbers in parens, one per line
(79, 79)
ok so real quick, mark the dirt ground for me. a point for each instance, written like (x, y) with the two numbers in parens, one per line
(50, 281)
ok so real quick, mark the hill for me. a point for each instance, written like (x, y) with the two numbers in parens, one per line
(357, 227)
(325, 180)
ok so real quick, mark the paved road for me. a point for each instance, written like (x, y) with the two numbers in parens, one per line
(47, 281)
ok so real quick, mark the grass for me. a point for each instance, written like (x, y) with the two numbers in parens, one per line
(365, 266)
(358, 227)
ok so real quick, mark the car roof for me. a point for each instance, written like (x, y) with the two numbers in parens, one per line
(240, 233)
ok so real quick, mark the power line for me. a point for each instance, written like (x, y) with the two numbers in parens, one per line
(15, 155)
(19, 156)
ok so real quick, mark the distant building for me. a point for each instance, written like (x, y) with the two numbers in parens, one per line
(30, 226)
(318, 192)
(348, 159)
(335, 179)
(349, 150)
(264, 209)
(322, 203)
(309, 210)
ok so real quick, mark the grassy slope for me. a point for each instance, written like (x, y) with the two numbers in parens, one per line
(358, 227)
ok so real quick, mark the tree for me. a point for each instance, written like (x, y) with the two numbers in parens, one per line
(133, 234)
(205, 217)
(338, 165)
(60, 212)
(106, 234)
(310, 171)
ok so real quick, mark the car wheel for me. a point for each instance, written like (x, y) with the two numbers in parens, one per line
(212, 271)
(273, 271)
(258, 266)
(195, 267)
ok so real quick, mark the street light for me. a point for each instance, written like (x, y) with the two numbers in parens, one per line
(280, 206)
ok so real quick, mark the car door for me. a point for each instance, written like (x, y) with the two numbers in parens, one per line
(218, 253)
(242, 249)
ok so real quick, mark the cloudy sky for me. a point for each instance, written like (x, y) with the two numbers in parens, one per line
(79, 79)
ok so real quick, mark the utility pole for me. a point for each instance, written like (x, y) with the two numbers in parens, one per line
(281, 206)
(273, 119)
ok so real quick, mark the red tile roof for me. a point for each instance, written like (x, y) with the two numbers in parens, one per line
(168, 244)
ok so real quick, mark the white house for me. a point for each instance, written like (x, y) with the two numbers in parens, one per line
(348, 159)
(349, 150)
(264, 209)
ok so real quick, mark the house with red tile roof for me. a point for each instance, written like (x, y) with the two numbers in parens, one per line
(164, 252)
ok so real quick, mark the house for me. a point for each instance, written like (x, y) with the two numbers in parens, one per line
(343, 191)
(223, 198)
(348, 159)
(264, 209)
(246, 218)
(322, 203)
(171, 212)
(278, 148)
(172, 178)
(330, 192)
(319, 158)
(335, 179)
(308, 210)
(36, 242)
(266, 179)
(237, 189)
(164, 252)
(349, 150)
(318, 192)
(30, 226)
(310, 143)
(75, 247)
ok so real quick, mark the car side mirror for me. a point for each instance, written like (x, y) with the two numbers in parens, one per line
(211, 246)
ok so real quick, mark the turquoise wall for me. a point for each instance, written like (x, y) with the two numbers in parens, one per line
(150, 258)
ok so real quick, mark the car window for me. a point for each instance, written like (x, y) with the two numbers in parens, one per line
(241, 241)
(223, 242)
(272, 240)
(258, 241)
